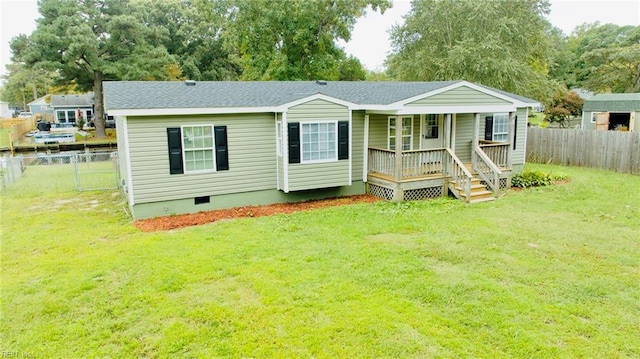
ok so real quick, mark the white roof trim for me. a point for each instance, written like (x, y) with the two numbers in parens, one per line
(317, 96)
(456, 85)
(190, 111)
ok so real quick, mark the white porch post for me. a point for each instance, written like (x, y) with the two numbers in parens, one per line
(365, 157)
(512, 125)
(476, 131)
(398, 192)
(398, 169)
(447, 130)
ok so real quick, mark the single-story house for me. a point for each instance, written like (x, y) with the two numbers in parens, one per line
(612, 112)
(40, 107)
(67, 108)
(194, 146)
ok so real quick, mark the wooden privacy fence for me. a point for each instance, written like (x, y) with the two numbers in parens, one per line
(18, 128)
(611, 150)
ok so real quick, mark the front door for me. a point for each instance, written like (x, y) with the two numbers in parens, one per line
(432, 131)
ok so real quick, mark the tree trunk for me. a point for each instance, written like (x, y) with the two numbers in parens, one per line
(98, 117)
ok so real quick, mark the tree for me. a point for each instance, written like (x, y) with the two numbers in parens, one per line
(562, 106)
(88, 41)
(193, 33)
(608, 57)
(496, 43)
(296, 39)
(24, 83)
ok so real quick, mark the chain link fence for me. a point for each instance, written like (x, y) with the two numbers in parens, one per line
(82, 171)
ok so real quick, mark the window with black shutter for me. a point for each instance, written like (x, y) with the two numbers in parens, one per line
(343, 140)
(294, 142)
(174, 139)
(222, 155)
(515, 132)
(488, 128)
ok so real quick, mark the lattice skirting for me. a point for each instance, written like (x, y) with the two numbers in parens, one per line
(380, 192)
(502, 181)
(422, 193)
(409, 195)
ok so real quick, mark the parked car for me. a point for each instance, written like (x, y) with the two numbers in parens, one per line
(25, 115)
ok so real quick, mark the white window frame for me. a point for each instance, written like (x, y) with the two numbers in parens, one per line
(593, 116)
(303, 145)
(410, 135)
(504, 123)
(279, 138)
(185, 150)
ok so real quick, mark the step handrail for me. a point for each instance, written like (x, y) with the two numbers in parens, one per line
(460, 174)
(484, 166)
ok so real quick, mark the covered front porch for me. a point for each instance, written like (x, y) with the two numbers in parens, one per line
(452, 157)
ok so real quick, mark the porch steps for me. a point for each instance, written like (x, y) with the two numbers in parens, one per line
(479, 192)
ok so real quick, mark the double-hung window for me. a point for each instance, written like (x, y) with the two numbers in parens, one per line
(197, 149)
(319, 141)
(407, 133)
(197, 143)
(500, 127)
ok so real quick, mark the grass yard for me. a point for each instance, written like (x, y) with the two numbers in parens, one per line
(540, 273)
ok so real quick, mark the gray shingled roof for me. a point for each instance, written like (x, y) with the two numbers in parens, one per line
(612, 102)
(80, 100)
(216, 94)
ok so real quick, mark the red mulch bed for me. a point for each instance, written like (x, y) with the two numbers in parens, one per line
(193, 219)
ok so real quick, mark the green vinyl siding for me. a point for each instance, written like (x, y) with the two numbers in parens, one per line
(317, 110)
(252, 160)
(462, 95)
(357, 145)
(303, 176)
(517, 155)
(465, 124)
(378, 131)
(318, 175)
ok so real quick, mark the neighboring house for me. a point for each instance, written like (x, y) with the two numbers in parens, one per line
(4, 110)
(187, 147)
(613, 112)
(68, 108)
(40, 107)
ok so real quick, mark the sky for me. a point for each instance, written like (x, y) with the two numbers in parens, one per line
(370, 39)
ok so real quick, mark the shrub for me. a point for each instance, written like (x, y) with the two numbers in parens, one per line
(531, 179)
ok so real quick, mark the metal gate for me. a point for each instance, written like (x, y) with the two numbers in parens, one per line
(82, 171)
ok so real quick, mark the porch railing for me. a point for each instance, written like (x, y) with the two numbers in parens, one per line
(415, 163)
(458, 173)
(498, 152)
(487, 170)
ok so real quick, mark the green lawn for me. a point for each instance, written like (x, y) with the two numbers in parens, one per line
(541, 273)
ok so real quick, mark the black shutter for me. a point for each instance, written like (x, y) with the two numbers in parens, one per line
(343, 140)
(222, 155)
(515, 132)
(294, 142)
(174, 139)
(488, 128)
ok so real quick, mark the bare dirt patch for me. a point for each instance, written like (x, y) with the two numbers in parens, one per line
(193, 219)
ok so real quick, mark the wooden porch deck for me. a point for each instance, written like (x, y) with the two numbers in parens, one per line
(421, 174)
